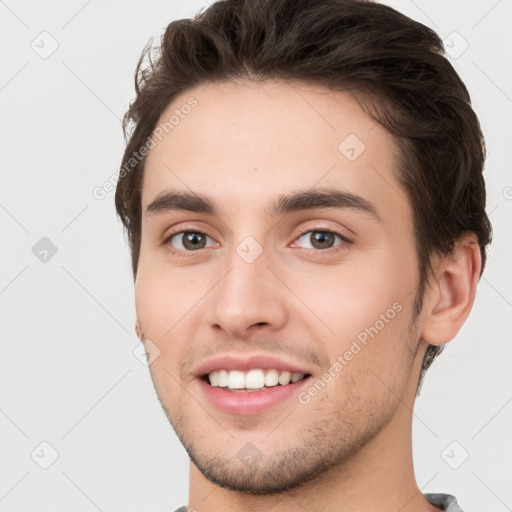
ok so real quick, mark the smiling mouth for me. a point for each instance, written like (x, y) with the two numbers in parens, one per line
(253, 380)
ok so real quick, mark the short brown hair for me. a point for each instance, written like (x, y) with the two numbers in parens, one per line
(394, 66)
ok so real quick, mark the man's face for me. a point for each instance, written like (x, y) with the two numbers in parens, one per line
(250, 282)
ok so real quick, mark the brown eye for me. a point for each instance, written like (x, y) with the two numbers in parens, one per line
(321, 239)
(188, 240)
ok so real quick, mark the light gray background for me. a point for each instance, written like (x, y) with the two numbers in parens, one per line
(68, 373)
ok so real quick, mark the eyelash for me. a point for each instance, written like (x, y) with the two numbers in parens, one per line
(167, 241)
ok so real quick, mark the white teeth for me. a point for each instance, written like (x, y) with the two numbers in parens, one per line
(236, 380)
(271, 378)
(222, 378)
(284, 378)
(214, 379)
(253, 379)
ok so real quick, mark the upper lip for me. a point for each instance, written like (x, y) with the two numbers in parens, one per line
(246, 363)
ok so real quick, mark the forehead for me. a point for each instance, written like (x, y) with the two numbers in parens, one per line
(242, 143)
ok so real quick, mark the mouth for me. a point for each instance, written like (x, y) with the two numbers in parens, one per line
(255, 380)
(253, 392)
(242, 384)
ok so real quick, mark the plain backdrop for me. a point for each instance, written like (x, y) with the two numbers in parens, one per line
(74, 396)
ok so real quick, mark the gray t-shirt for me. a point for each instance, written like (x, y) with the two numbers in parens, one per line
(447, 502)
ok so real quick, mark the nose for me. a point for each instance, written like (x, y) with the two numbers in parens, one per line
(249, 298)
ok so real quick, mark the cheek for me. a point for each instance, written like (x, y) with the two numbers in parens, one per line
(363, 311)
(369, 370)
(164, 296)
(351, 296)
(161, 307)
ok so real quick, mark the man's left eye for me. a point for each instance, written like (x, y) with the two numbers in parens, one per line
(322, 239)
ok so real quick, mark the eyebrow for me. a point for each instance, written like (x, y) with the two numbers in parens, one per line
(296, 201)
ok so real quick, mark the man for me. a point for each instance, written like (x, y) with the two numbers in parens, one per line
(302, 191)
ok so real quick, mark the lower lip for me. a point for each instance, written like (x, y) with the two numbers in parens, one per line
(246, 403)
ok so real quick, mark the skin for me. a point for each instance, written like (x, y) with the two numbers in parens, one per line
(348, 449)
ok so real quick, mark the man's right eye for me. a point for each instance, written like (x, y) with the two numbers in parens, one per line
(187, 241)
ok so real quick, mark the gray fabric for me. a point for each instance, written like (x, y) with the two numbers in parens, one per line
(446, 501)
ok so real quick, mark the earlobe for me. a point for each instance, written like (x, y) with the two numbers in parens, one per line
(452, 293)
(138, 330)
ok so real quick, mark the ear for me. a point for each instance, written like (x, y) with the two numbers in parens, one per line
(138, 330)
(452, 292)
